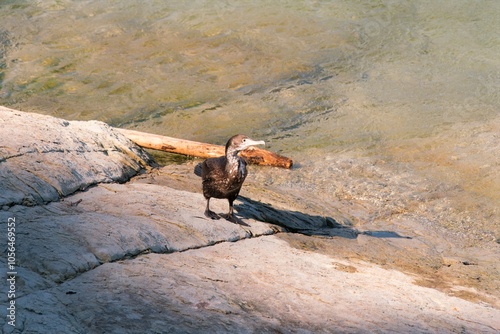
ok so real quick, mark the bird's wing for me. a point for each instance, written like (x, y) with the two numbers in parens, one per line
(211, 166)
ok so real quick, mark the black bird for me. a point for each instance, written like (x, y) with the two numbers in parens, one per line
(223, 177)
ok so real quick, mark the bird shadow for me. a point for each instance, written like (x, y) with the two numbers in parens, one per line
(299, 222)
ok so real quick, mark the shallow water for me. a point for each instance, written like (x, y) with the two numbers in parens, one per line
(387, 103)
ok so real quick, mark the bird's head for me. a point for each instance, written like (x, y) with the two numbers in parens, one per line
(240, 142)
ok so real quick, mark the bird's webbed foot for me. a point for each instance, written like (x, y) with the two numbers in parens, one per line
(212, 215)
(230, 217)
(233, 219)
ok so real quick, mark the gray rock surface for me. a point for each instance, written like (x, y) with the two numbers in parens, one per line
(43, 158)
(140, 257)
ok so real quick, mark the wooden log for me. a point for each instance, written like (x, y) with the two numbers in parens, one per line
(252, 155)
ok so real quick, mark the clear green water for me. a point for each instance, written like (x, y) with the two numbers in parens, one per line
(412, 85)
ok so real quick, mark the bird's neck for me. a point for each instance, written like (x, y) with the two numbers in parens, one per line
(232, 156)
(233, 160)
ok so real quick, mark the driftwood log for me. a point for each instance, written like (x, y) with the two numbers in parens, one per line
(252, 155)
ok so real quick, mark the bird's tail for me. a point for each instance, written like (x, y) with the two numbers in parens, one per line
(197, 170)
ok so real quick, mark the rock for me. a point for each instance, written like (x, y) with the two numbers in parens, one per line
(140, 256)
(254, 285)
(113, 222)
(43, 158)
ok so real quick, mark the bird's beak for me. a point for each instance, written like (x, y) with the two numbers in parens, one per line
(250, 142)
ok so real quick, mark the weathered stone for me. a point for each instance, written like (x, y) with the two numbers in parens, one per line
(43, 158)
(258, 285)
(140, 257)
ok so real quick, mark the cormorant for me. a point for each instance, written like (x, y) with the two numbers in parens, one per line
(223, 177)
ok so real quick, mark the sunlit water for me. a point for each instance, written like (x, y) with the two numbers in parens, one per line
(391, 103)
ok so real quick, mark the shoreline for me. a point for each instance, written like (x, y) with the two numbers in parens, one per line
(139, 255)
